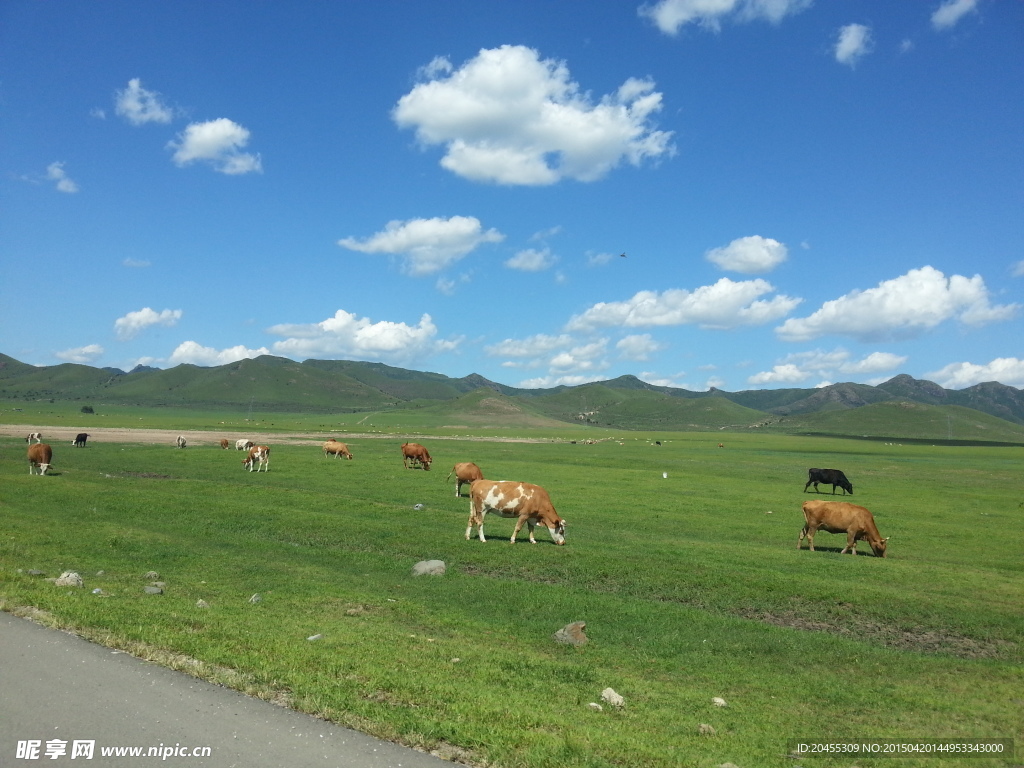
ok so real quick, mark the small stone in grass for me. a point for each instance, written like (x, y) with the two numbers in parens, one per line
(705, 730)
(719, 702)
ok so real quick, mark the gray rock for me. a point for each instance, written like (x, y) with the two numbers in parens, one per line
(572, 634)
(153, 590)
(314, 637)
(69, 579)
(202, 604)
(429, 568)
(151, 575)
(705, 730)
(609, 695)
(255, 598)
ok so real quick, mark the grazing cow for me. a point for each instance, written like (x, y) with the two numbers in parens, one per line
(828, 476)
(530, 503)
(243, 444)
(333, 447)
(258, 454)
(79, 441)
(841, 517)
(34, 436)
(465, 473)
(417, 454)
(721, 445)
(224, 444)
(40, 455)
(180, 442)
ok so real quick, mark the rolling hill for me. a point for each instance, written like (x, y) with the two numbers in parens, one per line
(900, 407)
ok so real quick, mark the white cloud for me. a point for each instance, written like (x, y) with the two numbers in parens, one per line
(1017, 269)
(508, 117)
(1005, 370)
(801, 366)
(951, 11)
(139, 106)
(670, 15)
(82, 355)
(903, 307)
(597, 259)
(546, 382)
(346, 336)
(726, 304)
(544, 234)
(55, 172)
(749, 255)
(637, 347)
(132, 324)
(585, 357)
(429, 245)
(135, 263)
(196, 354)
(218, 142)
(533, 346)
(531, 260)
(853, 44)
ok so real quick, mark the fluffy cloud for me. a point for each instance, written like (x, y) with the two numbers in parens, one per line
(726, 304)
(346, 336)
(132, 324)
(218, 142)
(637, 347)
(429, 245)
(139, 106)
(508, 117)
(951, 11)
(749, 255)
(531, 260)
(55, 172)
(546, 382)
(196, 354)
(854, 43)
(801, 366)
(903, 307)
(1005, 370)
(670, 15)
(534, 346)
(82, 355)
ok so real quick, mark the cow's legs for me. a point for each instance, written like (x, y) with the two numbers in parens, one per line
(809, 533)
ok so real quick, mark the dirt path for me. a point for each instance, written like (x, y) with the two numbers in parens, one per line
(58, 435)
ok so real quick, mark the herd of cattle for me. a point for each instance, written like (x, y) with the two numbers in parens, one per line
(531, 504)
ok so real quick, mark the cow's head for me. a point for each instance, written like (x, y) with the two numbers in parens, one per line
(425, 463)
(558, 532)
(847, 486)
(879, 547)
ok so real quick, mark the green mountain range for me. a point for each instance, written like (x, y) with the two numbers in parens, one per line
(901, 407)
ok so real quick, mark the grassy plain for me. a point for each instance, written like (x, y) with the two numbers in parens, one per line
(690, 585)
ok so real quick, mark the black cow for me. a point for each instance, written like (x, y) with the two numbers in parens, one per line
(80, 439)
(828, 476)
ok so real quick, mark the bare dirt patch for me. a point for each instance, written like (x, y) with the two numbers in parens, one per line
(912, 639)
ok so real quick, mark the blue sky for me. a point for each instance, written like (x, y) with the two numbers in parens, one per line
(805, 192)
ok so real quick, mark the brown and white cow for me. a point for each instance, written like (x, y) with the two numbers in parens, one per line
(258, 454)
(465, 473)
(530, 503)
(224, 443)
(40, 456)
(333, 448)
(36, 437)
(180, 442)
(841, 517)
(243, 444)
(417, 454)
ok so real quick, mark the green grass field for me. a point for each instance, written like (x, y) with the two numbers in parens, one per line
(690, 584)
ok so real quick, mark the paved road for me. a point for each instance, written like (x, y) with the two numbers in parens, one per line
(58, 687)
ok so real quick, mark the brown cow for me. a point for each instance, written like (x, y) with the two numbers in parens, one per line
(417, 454)
(39, 455)
(333, 447)
(258, 454)
(224, 443)
(841, 517)
(530, 503)
(465, 473)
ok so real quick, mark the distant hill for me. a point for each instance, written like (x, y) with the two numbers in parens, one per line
(897, 407)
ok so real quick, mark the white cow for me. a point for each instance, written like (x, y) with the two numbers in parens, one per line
(243, 444)
(180, 442)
